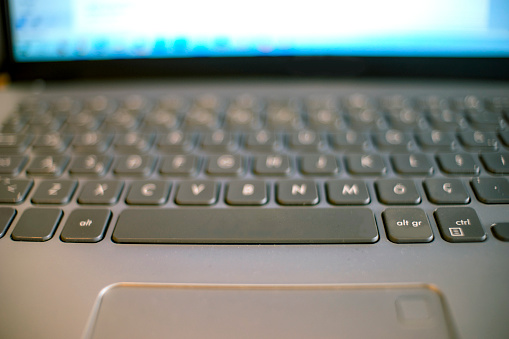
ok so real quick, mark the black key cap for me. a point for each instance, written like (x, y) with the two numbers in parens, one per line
(412, 164)
(51, 143)
(446, 191)
(318, 164)
(436, 140)
(54, 192)
(263, 141)
(153, 192)
(246, 226)
(297, 192)
(497, 163)
(14, 143)
(105, 192)
(50, 165)
(12, 164)
(393, 140)
(350, 141)
(397, 192)
(14, 191)
(93, 165)
(86, 225)
(252, 192)
(274, 164)
(491, 190)
(457, 163)
(176, 142)
(459, 224)
(368, 164)
(180, 165)
(219, 141)
(135, 165)
(501, 231)
(37, 224)
(407, 225)
(226, 165)
(306, 141)
(347, 192)
(133, 143)
(92, 142)
(479, 141)
(7, 214)
(199, 192)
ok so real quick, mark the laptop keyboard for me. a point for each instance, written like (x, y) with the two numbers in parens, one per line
(246, 169)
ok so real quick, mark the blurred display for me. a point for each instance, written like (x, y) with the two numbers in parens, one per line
(49, 30)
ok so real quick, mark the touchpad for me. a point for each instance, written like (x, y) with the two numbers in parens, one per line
(269, 311)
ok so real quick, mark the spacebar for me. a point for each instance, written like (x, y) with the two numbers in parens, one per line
(246, 226)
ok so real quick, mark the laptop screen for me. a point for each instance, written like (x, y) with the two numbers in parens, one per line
(57, 30)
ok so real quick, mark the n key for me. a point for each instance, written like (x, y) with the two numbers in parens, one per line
(297, 192)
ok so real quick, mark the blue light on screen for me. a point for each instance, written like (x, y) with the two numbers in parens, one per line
(50, 30)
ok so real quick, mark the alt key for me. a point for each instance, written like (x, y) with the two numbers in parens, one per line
(86, 225)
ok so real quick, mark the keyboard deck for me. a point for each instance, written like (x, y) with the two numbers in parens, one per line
(249, 169)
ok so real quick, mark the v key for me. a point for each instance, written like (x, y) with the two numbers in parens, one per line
(202, 192)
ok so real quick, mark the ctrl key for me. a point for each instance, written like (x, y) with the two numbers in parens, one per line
(459, 224)
(86, 225)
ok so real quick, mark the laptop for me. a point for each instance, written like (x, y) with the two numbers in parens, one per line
(270, 170)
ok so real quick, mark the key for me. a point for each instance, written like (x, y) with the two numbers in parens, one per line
(12, 164)
(274, 164)
(162, 120)
(407, 225)
(247, 192)
(246, 226)
(93, 165)
(457, 163)
(219, 141)
(148, 192)
(297, 192)
(305, 141)
(412, 164)
(491, 190)
(263, 141)
(318, 164)
(105, 192)
(54, 192)
(436, 140)
(86, 225)
(350, 141)
(92, 142)
(479, 141)
(14, 191)
(397, 192)
(446, 191)
(133, 143)
(50, 165)
(7, 215)
(459, 224)
(176, 142)
(226, 165)
(199, 192)
(347, 192)
(501, 231)
(497, 163)
(393, 140)
(367, 164)
(180, 165)
(51, 143)
(14, 143)
(135, 165)
(37, 224)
